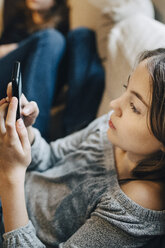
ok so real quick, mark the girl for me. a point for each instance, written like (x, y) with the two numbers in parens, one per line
(33, 34)
(100, 187)
(22, 18)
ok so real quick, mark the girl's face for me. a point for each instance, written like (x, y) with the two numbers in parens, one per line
(39, 5)
(129, 123)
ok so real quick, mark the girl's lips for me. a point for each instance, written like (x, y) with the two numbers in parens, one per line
(111, 124)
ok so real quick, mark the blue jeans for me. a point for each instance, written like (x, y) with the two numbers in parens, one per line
(47, 64)
(40, 56)
(85, 78)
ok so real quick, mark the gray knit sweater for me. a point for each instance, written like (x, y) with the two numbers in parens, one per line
(74, 199)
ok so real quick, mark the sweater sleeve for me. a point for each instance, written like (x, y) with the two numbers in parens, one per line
(45, 156)
(95, 233)
(24, 237)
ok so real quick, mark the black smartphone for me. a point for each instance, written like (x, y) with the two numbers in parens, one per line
(17, 86)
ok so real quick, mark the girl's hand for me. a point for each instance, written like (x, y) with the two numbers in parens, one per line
(15, 150)
(29, 111)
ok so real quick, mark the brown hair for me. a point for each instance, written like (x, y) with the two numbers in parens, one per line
(18, 18)
(56, 17)
(154, 165)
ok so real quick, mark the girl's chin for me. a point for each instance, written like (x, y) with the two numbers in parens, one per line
(110, 136)
(113, 139)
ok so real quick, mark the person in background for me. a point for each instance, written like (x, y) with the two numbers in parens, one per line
(23, 18)
(38, 45)
(36, 33)
(100, 187)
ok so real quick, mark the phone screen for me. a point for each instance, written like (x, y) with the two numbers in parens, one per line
(17, 86)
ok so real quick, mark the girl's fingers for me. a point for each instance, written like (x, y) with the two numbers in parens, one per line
(30, 108)
(2, 127)
(3, 110)
(2, 101)
(23, 135)
(9, 91)
(27, 109)
(11, 117)
(24, 101)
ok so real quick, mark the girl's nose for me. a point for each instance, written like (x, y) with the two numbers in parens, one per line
(116, 106)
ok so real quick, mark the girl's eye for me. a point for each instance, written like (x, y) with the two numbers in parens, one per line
(134, 108)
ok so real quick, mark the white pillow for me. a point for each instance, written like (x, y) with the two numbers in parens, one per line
(121, 9)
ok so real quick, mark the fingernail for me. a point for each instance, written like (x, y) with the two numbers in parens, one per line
(20, 122)
(14, 99)
(7, 99)
(26, 110)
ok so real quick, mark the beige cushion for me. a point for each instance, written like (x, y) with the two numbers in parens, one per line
(160, 9)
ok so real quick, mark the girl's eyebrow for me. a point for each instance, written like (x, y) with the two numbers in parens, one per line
(139, 97)
(137, 94)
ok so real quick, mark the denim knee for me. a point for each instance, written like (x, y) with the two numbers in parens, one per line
(51, 38)
(82, 34)
(47, 38)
